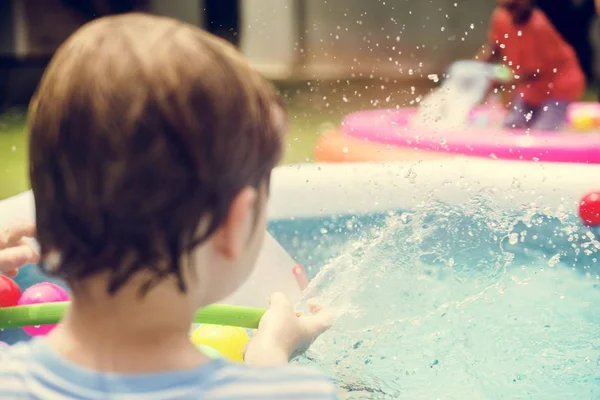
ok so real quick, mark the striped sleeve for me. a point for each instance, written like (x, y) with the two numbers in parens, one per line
(286, 382)
(11, 381)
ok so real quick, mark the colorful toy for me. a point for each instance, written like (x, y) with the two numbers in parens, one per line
(229, 341)
(52, 313)
(589, 209)
(44, 292)
(584, 117)
(10, 293)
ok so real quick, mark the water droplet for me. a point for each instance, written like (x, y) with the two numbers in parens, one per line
(555, 259)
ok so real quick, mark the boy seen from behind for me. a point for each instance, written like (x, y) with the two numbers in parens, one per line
(151, 148)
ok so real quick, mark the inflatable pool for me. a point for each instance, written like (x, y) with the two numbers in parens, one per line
(449, 278)
(391, 129)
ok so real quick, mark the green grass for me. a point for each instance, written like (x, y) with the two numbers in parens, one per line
(13, 154)
(304, 129)
(309, 115)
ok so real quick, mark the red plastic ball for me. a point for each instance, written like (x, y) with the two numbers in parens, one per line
(589, 209)
(10, 293)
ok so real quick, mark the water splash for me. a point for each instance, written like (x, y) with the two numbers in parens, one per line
(464, 302)
(449, 105)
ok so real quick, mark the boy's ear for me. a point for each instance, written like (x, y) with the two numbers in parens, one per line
(233, 234)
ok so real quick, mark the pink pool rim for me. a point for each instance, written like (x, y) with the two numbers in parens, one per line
(392, 127)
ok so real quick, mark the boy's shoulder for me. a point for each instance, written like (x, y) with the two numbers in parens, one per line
(284, 381)
(14, 368)
(22, 370)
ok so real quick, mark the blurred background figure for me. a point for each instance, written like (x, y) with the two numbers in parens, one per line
(548, 75)
(573, 19)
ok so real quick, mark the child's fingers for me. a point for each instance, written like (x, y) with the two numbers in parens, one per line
(314, 307)
(280, 301)
(12, 273)
(12, 235)
(318, 324)
(15, 257)
(320, 320)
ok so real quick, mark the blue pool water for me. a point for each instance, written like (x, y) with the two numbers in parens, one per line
(444, 302)
(455, 302)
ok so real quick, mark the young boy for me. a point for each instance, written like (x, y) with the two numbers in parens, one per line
(151, 148)
(547, 73)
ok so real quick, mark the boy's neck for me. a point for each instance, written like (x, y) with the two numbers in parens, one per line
(122, 334)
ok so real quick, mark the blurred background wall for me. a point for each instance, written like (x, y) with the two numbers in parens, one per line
(353, 38)
(394, 38)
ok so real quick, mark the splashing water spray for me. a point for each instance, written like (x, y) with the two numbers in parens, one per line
(467, 84)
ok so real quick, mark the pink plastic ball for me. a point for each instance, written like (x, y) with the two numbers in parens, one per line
(45, 292)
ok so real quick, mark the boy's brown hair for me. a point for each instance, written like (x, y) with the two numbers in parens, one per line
(141, 128)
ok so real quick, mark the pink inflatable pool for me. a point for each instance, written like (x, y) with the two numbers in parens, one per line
(392, 127)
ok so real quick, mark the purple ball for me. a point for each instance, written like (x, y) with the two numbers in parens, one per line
(39, 293)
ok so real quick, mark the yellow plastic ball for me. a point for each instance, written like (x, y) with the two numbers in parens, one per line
(227, 340)
(583, 123)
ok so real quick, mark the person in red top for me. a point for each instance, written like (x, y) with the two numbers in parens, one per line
(547, 73)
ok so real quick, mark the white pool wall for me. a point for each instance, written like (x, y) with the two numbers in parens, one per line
(313, 190)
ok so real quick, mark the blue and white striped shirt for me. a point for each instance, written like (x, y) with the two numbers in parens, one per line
(33, 371)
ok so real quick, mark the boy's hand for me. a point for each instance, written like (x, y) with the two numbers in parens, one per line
(15, 252)
(283, 332)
